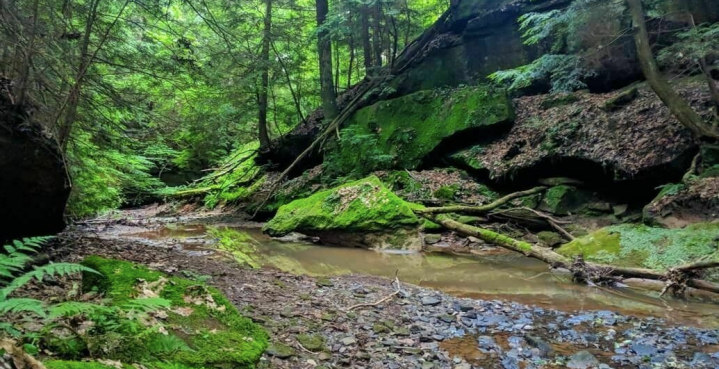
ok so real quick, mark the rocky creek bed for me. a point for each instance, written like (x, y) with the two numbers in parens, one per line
(311, 325)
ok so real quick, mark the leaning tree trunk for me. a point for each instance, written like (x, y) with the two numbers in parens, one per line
(676, 104)
(324, 49)
(263, 135)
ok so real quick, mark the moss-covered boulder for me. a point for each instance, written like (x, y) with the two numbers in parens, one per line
(563, 200)
(216, 335)
(401, 132)
(364, 211)
(635, 245)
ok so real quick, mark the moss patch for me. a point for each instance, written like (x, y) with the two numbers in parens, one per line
(360, 206)
(399, 133)
(563, 199)
(200, 316)
(644, 246)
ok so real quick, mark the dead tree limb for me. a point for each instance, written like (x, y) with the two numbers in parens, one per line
(677, 279)
(482, 209)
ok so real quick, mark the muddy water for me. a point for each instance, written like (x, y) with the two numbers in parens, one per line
(499, 276)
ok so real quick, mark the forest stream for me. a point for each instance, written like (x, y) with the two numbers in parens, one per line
(447, 301)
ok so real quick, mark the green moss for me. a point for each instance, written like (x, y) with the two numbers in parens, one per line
(468, 159)
(564, 199)
(361, 206)
(621, 100)
(312, 342)
(554, 101)
(644, 246)
(447, 192)
(217, 333)
(63, 364)
(399, 133)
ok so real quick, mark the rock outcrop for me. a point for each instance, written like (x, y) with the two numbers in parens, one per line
(33, 182)
(363, 213)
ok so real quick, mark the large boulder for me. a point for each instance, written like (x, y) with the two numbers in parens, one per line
(638, 245)
(641, 143)
(33, 181)
(362, 213)
(403, 132)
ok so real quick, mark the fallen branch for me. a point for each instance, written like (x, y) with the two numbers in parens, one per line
(482, 209)
(552, 221)
(677, 279)
(398, 289)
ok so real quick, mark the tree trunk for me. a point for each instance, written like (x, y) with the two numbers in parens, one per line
(676, 104)
(73, 98)
(351, 61)
(366, 46)
(265, 78)
(377, 33)
(324, 49)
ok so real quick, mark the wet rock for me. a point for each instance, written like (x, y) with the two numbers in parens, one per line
(620, 210)
(281, 351)
(544, 348)
(431, 301)
(324, 282)
(550, 239)
(431, 239)
(583, 360)
(312, 342)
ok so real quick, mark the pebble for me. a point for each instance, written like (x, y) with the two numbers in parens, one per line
(431, 301)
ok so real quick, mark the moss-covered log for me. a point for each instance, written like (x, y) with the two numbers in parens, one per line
(586, 269)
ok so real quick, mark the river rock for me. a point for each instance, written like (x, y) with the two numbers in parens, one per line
(583, 360)
(431, 301)
(281, 351)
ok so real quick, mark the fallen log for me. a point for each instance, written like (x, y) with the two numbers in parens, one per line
(482, 209)
(677, 279)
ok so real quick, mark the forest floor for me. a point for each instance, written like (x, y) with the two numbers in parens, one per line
(317, 322)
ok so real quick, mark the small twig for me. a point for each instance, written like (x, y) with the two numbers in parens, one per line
(386, 298)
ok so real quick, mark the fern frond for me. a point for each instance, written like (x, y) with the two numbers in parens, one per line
(20, 305)
(51, 269)
(146, 305)
(73, 308)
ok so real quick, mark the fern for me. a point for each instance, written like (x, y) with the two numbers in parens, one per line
(18, 255)
(74, 308)
(59, 269)
(21, 305)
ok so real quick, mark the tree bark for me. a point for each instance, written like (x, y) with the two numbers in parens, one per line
(262, 133)
(377, 33)
(366, 46)
(324, 49)
(676, 104)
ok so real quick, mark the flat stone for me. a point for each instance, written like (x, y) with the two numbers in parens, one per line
(582, 360)
(537, 342)
(431, 238)
(431, 301)
(348, 341)
(281, 351)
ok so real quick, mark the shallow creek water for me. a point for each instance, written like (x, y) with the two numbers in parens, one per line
(503, 276)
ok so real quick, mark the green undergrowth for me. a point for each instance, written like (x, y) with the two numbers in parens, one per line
(649, 247)
(215, 334)
(401, 132)
(365, 205)
(234, 180)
